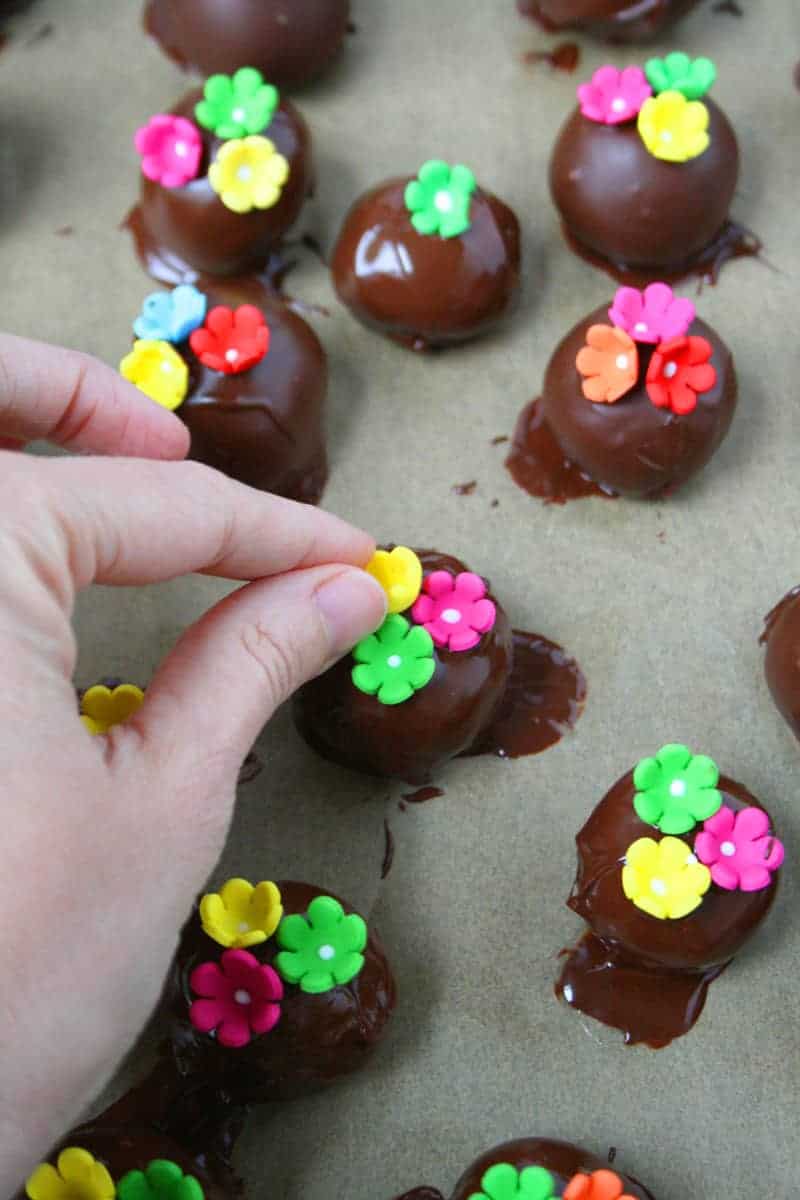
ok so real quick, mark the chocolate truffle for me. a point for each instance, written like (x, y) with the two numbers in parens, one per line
(224, 176)
(430, 261)
(541, 1163)
(782, 663)
(612, 20)
(644, 171)
(276, 991)
(248, 381)
(100, 1160)
(633, 407)
(290, 43)
(677, 867)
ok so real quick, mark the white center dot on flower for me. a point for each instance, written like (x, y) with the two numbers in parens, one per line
(658, 886)
(326, 953)
(451, 615)
(394, 660)
(666, 136)
(231, 355)
(166, 367)
(670, 370)
(728, 849)
(239, 115)
(640, 327)
(244, 927)
(677, 788)
(443, 201)
(618, 104)
(241, 996)
(244, 173)
(622, 362)
(181, 149)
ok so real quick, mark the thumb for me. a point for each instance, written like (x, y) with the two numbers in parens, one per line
(231, 670)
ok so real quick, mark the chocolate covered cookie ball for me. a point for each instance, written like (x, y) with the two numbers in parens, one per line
(636, 400)
(224, 176)
(290, 41)
(430, 261)
(677, 867)
(276, 991)
(611, 20)
(644, 171)
(782, 662)
(249, 381)
(542, 1167)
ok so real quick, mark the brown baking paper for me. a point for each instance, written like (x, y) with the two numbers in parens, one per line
(660, 602)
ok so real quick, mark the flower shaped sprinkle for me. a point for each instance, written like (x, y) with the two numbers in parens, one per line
(739, 849)
(664, 878)
(504, 1182)
(240, 915)
(454, 609)
(609, 364)
(236, 105)
(600, 1185)
(674, 128)
(171, 149)
(679, 372)
(399, 572)
(613, 96)
(439, 199)
(171, 316)
(322, 949)
(654, 315)
(238, 998)
(676, 789)
(158, 371)
(77, 1175)
(248, 173)
(395, 662)
(232, 340)
(101, 707)
(160, 1180)
(693, 77)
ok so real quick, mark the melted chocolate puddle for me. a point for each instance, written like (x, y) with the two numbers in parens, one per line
(388, 854)
(422, 794)
(464, 489)
(732, 241)
(539, 466)
(648, 1005)
(563, 57)
(543, 700)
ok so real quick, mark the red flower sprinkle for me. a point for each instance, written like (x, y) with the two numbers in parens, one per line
(231, 340)
(679, 372)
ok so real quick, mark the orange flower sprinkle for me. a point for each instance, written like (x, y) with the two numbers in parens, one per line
(609, 364)
(600, 1185)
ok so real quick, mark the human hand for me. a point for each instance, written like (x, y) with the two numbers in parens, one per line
(107, 839)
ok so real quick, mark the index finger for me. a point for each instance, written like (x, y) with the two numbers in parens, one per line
(71, 399)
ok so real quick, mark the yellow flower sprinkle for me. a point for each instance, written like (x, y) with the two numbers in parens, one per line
(674, 128)
(157, 370)
(248, 173)
(664, 878)
(399, 572)
(101, 708)
(76, 1176)
(240, 915)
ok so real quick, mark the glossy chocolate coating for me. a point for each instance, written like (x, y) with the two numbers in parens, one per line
(289, 41)
(637, 211)
(632, 447)
(264, 426)
(709, 937)
(611, 20)
(414, 740)
(561, 1159)
(317, 1039)
(183, 233)
(426, 291)
(782, 663)
(132, 1148)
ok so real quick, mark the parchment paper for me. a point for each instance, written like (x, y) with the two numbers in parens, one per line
(661, 603)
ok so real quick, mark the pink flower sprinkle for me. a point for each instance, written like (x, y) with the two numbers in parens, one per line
(239, 998)
(613, 96)
(171, 148)
(454, 609)
(739, 850)
(654, 315)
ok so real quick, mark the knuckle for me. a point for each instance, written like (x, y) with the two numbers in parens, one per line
(279, 663)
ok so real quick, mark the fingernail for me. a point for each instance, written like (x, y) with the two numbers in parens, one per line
(352, 605)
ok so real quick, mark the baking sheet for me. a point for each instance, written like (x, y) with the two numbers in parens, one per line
(661, 603)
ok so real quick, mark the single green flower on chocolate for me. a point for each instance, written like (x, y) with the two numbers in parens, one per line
(676, 789)
(504, 1182)
(395, 662)
(235, 106)
(321, 949)
(439, 199)
(161, 1180)
(679, 73)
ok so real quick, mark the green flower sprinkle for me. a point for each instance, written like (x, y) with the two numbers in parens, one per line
(676, 789)
(504, 1182)
(161, 1180)
(395, 662)
(237, 105)
(322, 949)
(679, 73)
(439, 199)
